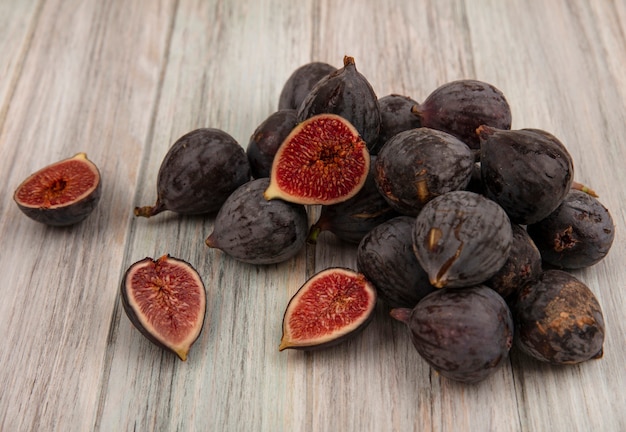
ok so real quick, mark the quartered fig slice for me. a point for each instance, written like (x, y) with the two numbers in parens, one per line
(198, 173)
(165, 299)
(322, 161)
(63, 193)
(331, 307)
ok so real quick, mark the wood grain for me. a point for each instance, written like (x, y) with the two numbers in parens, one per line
(123, 80)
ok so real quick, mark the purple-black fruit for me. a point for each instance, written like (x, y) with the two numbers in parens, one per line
(420, 164)
(459, 107)
(266, 139)
(198, 173)
(395, 117)
(527, 171)
(578, 234)
(461, 239)
(559, 320)
(463, 334)
(300, 83)
(385, 256)
(254, 230)
(347, 93)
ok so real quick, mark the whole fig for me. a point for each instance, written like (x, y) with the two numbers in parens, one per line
(300, 83)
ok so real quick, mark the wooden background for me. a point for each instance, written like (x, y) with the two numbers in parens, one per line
(121, 80)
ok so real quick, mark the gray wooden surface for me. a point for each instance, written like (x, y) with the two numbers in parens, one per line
(121, 80)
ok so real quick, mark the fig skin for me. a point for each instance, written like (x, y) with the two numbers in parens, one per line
(528, 172)
(266, 139)
(300, 83)
(521, 267)
(420, 164)
(198, 173)
(395, 116)
(183, 299)
(351, 220)
(347, 93)
(254, 230)
(322, 161)
(60, 198)
(461, 239)
(465, 335)
(339, 310)
(460, 107)
(578, 234)
(558, 320)
(385, 256)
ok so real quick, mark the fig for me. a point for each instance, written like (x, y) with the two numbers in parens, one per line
(528, 172)
(300, 83)
(331, 307)
(396, 116)
(352, 219)
(460, 107)
(322, 161)
(266, 139)
(461, 239)
(578, 234)
(198, 173)
(465, 335)
(559, 320)
(347, 93)
(165, 300)
(256, 231)
(521, 267)
(60, 194)
(417, 165)
(385, 256)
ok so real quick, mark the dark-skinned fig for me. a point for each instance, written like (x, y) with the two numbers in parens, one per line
(300, 83)
(61, 194)
(396, 116)
(254, 230)
(165, 300)
(266, 139)
(198, 173)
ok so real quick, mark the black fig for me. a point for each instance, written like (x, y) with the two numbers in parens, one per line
(266, 139)
(522, 266)
(465, 335)
(461, 239)
(198, 173)
(332, 306)
(322, 161)
(420, 164)
(254, 230)
(352, 219)
(385, 256)
(300, 83)
(396, 116)
(165, 300)
(527, 171)
(347, 93)
(559, 320)
(578, 234)
(460, 107)
(63, 193)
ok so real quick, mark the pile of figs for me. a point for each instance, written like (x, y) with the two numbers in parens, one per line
(464, 229)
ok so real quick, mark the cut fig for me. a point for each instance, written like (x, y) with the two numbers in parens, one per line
(165, 300)
(331, 307)
(63, 193)
(322, 161)
(198, 173)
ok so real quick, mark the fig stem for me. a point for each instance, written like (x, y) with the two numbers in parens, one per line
(314, 233)
(148, 211)
(401, 314)
(583, 188)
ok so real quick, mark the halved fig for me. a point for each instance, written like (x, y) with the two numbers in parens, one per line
(331, 307)
(322, 161)
(63, 193)
(165, 299)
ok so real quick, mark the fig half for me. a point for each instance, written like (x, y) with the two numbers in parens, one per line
(63, 193)
(165, 300)
(322, 161)
(332, 306)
